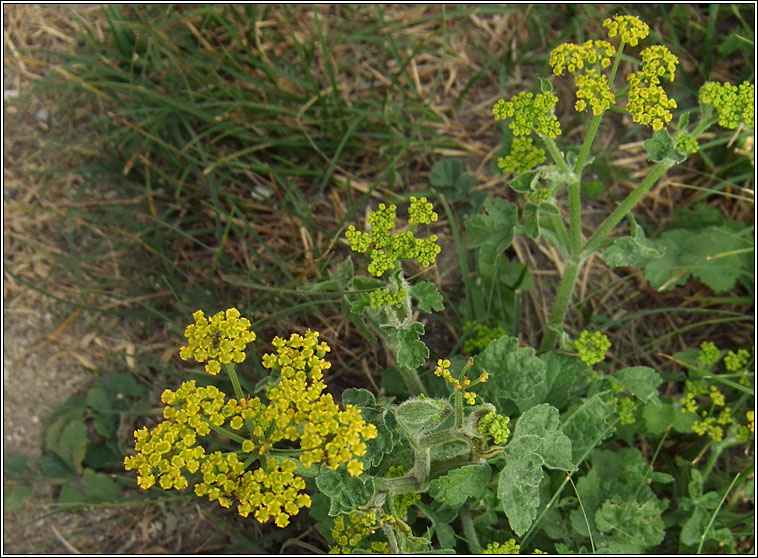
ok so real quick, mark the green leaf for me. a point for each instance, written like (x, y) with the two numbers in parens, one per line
(635, 524)
(72, 445)
(343, 273)
(99, 487)
(516, 374)
(561, 372)
(421, 414)
(16, 496)
(536, 442)
(525, 182)
(359, 398)
(589, 424)
(445, 535)
(494, 229)
(346, 493)
(122, 384)
(661, 147)
(448, 178)
(531, 221)
(713, 255)
(53, 467)
(455, 487)
(518, 490)
(628, 251)
(427, 295)
(658, 417)
(538, 431)
(640, 381)
(16, 466)
(411, 351)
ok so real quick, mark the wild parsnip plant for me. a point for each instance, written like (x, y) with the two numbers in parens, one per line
(474, 453)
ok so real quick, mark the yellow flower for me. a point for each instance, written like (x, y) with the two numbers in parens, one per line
(630, 28)
(220, 340)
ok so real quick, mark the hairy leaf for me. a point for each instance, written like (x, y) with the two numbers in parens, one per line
(427, 295)
(459, 484)
(516, 374)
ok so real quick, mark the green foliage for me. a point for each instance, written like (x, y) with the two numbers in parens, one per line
(718, 254)
(458, 485)
(442, 473)
(537, 441)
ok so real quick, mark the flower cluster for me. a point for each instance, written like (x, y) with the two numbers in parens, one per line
(524, 155)
(495, 425)
(734, 105)
(572, 57)
(624, 409)
(299, 410)
(592, 87)
(170, 451)
(585, 62)
(390, 247)
(479, 336)
(272, 492)
(686, 144)
(421, 211)
(630, 28)
(349, 530)
(443, 371)
(508, 547)
(386, 297)
(647, 102)
(529, 112)
(218, 340)
(739, 363)
(592, 347)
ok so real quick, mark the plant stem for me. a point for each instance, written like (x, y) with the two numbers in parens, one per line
(558, 312)
(412, 380)
(468, 530)
(597, 239)
(238, 391)
(589, 139)
(555, 154)
(458, 399)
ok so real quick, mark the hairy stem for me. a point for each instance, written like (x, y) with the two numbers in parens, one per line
(560, 306)
(412, 380)
(597, 239)
(468, 530)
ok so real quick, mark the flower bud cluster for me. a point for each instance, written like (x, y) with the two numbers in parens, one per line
(734, 105)
(402, 501)
(739, 363)
(218, 340)
(527, 112)
(386, 297)
(479, 336)
(524, 155)
(685, 143)
(390, 247)
(508, 547)
(495, 425)
(592, 347)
